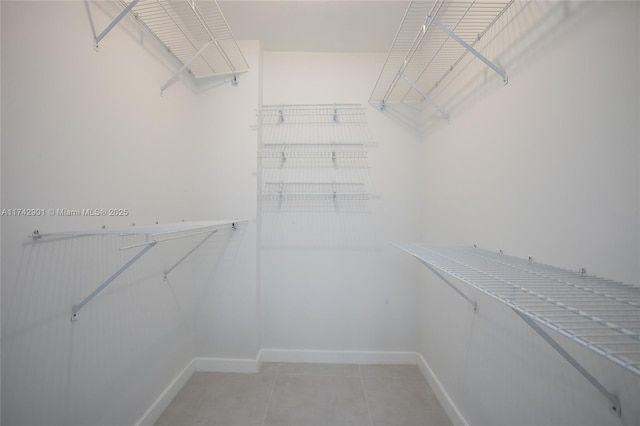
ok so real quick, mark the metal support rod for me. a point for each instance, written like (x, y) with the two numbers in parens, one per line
(469, 48)
(177, 237)
(115, 21)
(168, 271)
(184, 67)
(614, 406)
(134, 259)
(426, 97)
(446, 281)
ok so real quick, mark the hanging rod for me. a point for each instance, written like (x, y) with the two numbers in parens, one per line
(588, 303)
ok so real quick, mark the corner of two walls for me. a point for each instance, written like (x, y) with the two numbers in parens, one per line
(85, 129)
(548, 167)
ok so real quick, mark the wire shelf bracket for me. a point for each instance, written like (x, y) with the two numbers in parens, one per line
(153, 235)
(98, 38)
(502, 73)
(184, 67)
(186, 28)
(94, 293)
(614, 403)
(190, 252)
(601, 315)
(425, 96)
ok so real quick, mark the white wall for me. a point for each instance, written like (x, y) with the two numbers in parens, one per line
(87, 129)
(546, 166)
(225, 186)
(330, 278)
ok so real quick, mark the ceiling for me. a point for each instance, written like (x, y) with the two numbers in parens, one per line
(316, 25)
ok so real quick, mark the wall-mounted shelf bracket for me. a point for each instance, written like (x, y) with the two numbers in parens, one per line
(184, 67)
(446, 281)
(469, 48)
(183, 258)
(115, 22)
(614, 403)
(134, 259)
(426, 97)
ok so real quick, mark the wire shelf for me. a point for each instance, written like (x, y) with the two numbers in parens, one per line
(327, 151)
(423, 54)
(151, 231)
(195, 32)
(599, 314)
(312, 114)
(308, 191)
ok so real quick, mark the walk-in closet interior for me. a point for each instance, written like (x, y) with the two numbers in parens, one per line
(320, 212)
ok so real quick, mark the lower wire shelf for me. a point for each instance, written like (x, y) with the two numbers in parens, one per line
(599, 314)
(153, 235)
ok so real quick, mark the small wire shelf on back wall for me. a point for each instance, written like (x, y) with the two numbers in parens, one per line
(314, 152)
(314, 182)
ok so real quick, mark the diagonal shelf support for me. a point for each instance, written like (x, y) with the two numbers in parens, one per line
(134, 259)
(204, 240)
(614, 403)
(115, 22)
(469, 48)
(184, 67)
(426, 97)
(439, 275)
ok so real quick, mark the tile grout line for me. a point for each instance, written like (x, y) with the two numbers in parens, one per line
(275, 379)
(364, 391)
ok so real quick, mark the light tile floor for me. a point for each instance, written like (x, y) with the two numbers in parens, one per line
(308, 395)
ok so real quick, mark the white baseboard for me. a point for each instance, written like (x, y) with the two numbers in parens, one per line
(162, 402)
(227, 365)
(441, 393)
(337, 357)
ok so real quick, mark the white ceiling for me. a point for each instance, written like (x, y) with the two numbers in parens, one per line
(316, 25)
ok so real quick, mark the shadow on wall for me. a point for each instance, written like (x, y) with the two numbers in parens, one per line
(513, 42)
(58, 371)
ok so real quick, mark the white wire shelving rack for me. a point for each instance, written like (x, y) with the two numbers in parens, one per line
(599, 314)
(194, 31)
(294, 139)
(152, 236)
(432, 39)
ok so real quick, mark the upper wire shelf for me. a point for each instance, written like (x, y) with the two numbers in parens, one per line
(195, 32)
(432, 39)
(599, 314)
(310, 114)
